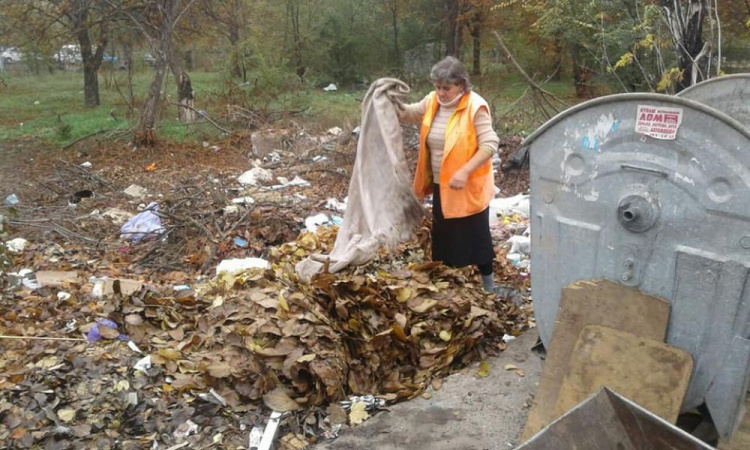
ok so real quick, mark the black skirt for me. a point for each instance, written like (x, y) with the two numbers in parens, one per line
(460, 242)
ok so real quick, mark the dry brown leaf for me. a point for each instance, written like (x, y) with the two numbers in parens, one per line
(107, 332)
(279, 400)
(219, 369)
(134, 319)
(66, 415)
(437, 384)
(337, 415)
(357, 415)
(169, 354)
(484, 369)
(426, 395)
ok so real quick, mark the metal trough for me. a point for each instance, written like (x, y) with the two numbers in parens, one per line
(610, 421)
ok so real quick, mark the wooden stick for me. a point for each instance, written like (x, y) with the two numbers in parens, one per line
(42, 338)
(205, 116)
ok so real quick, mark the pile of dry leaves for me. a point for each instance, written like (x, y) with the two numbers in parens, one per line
(220, 356)
(200, 361)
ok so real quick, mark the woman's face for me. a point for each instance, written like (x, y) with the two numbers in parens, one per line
(447, 91)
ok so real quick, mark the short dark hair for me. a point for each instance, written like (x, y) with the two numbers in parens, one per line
(450, 70)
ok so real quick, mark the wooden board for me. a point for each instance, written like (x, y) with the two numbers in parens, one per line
(591, 303)
(741, 439)
(647, 372)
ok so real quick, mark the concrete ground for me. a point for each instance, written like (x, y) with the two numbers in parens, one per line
(467, 413)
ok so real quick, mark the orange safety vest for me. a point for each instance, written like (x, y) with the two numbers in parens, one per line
(460, 147)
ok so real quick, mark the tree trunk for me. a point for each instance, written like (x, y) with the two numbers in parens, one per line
(451, 19)
(581, 74)
(90, 85)
(477, 46)
(397, 52)
(91, 60)
(685, 20)
(234, 40)
(184, 88)
(293, 6)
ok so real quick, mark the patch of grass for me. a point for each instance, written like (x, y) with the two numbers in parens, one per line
(35, 106)
(50, 107)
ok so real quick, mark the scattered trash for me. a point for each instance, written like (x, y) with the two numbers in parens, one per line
(181, 287)
(518, 204)
(333, 433)
(256, 436)
(144, 226)
(331, 88)
(232, 266)
(105, 329)
(134, 347)
(58, 279)
(336, 131)
(104, 287)
(87, 165)
(336, 205)
(186, 429)
(370, 401)
(255, 175)
(117, 216)
(273, 157)
(205, 144)
(135, 191)
(213, 397)
(150, 168)
(272, 428)
(320, 158)
(508, 338)
(143, 365)
(239, 242)
(64, 296)
(12, 200)
(313, 222)
(17, 245)
(242, 201)
(231, 209)
(25, 278)
(297, 181)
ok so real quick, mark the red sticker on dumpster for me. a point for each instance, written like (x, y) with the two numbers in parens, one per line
(658, 122)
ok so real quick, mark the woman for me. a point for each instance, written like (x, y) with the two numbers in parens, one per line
(456, 146)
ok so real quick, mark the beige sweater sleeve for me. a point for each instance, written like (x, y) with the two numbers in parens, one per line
(487, 139)
(412, 113)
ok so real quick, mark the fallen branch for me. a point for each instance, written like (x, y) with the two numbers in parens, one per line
(43, 338)
(541, 96)
(204, 115)
(83, 138)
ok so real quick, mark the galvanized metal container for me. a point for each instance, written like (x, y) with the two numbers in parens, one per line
(729, 94)
(652, 191)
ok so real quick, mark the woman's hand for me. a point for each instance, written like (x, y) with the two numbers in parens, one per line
(459, 179)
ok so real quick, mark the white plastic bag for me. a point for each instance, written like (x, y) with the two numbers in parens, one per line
(144, 226)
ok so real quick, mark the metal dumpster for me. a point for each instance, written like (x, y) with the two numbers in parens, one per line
(610, 421)
(729, 94)
(652, 191)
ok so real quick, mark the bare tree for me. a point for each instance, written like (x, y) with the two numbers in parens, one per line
(232, 18)
(453, 31)
(685, 19)
(157, 22)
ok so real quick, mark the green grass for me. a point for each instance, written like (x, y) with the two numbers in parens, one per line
(34, 105)
(31, 104)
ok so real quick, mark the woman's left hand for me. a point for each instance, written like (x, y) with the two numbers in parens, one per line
(459, 180)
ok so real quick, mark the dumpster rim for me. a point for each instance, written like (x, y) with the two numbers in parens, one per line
(679, 101)
(713, 80)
